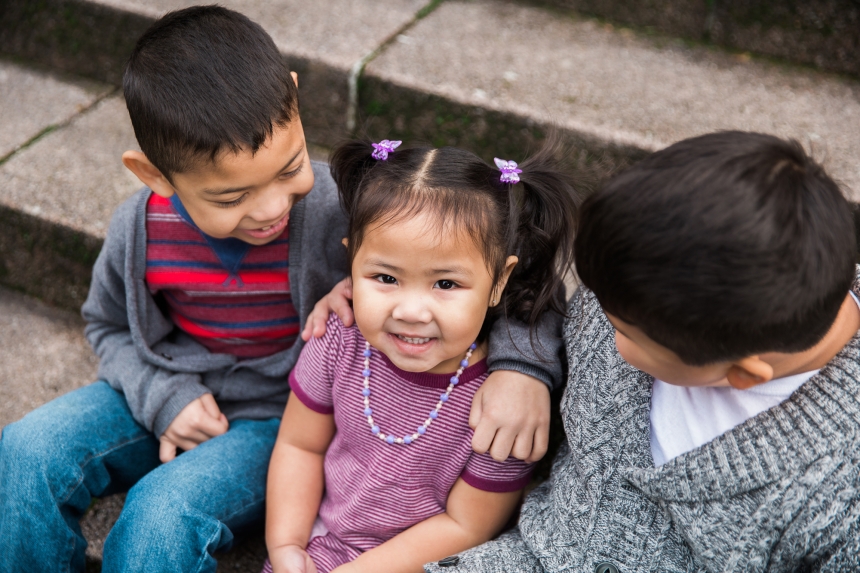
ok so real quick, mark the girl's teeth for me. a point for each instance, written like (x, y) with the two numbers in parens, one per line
(413, 340)
(266, 228)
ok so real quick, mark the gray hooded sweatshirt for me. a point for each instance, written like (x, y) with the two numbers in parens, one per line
(160, 369)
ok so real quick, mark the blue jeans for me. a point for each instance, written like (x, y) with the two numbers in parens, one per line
(86, 444)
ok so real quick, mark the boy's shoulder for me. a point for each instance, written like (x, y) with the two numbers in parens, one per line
(586, 327)
(325, 189)
(132, 208)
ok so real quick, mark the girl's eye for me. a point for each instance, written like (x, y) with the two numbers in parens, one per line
(232, 203)
(386, 279)
(445, 284)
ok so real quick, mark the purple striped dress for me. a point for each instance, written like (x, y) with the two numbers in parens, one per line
(375, 490)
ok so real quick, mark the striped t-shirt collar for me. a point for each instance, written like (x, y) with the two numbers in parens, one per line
(230, 251)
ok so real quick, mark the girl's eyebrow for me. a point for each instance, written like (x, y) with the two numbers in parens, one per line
(383, 264)
(454, 270)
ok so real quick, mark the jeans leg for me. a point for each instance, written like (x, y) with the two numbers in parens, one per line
(177, 516)
(52, 462)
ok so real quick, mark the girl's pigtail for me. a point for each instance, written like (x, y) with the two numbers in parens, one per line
(349, 164)
(545, 214)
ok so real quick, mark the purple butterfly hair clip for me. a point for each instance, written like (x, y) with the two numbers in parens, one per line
(383, 148)
(509, 170)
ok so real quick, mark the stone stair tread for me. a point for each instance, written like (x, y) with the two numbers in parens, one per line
(33, 100)
(338, 32)
(43, 354)
(618, 87)
(74, 176)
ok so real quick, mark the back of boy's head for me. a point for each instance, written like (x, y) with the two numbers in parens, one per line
(205, 80)
(720, 247)
(534, 220)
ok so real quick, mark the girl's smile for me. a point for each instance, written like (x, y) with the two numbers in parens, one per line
(421, 293)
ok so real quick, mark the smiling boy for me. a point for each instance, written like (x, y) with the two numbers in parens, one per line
(194, 311)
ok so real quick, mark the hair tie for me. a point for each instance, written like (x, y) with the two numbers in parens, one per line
(383, 148)
(509, 170)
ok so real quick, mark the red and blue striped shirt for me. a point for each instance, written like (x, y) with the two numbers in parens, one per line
(231, 296)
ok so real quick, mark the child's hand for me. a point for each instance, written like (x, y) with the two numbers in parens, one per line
(336, 301)
(510, 416)
(291, 559)
(197, 422)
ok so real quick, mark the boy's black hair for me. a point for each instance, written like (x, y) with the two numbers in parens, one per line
(535, 220)
(203, 80)
(720, 247)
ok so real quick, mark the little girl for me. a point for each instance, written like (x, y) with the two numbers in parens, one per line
(373, 468)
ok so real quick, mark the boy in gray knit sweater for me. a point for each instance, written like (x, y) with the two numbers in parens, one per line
(712, 412)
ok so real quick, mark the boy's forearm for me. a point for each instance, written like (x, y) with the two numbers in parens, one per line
(293, 494)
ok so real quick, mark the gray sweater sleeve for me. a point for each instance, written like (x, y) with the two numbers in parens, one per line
(539, 354)
(154, 394)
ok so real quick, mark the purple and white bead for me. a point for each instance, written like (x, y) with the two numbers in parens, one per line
(434, 413)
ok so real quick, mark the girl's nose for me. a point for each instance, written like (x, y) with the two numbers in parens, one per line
(412, 309)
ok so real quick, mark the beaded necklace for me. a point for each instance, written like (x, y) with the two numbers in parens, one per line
(434, 413)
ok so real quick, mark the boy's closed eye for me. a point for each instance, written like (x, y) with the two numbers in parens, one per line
(239, 200)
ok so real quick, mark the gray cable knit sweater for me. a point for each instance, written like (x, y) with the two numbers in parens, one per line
(779, 492)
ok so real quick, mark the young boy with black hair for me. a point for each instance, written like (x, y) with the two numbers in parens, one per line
(195, 309)
(713, 404)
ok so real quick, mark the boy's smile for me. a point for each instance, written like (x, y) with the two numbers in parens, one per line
(421, 294)
(244, 195)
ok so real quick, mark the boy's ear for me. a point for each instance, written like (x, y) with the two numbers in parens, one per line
(295, 77)
(149, 174)
(496, 294)
(749, 372)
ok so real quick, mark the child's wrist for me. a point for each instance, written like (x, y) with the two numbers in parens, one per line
(282, 544)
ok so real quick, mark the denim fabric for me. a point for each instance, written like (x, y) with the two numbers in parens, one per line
(86, 444)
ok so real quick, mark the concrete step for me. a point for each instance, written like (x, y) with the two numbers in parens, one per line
(43, 354)
(822, 33)
(322, 40)
(486, 75)
(491, 75)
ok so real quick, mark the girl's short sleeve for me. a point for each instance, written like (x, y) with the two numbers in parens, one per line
(484, 473)
(312, 378)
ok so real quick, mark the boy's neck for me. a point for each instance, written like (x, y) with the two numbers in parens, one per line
(843, 329)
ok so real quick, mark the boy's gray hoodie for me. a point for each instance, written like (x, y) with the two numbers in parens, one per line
(160, 369)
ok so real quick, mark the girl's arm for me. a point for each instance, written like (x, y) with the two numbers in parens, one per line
(295, 483)
(473, 517)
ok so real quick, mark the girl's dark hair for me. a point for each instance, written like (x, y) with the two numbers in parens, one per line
(534, 220)
(720, 247)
